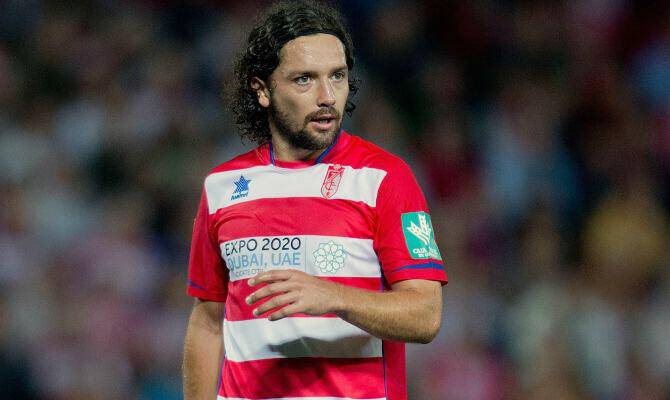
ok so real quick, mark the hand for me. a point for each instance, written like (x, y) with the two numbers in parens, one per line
(295, 292)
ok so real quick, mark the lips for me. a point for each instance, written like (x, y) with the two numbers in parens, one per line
(323, 124)
(324, 121)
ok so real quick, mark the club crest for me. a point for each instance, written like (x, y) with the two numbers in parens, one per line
(332, 180)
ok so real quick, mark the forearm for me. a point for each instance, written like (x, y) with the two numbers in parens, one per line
(203, 352)
(409, 312)
(405, 315)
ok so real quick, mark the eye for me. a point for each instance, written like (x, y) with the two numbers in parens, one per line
(302, 80)
(339, 75)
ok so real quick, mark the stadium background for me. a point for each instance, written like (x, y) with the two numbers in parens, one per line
(539, 130)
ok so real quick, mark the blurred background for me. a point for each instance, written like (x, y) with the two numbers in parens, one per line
(539, 130)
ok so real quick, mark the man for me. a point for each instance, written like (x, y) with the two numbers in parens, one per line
(319, 243)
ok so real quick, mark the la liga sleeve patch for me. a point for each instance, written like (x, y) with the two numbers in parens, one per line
(419, 236)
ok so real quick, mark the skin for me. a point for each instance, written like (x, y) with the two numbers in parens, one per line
(409, 312)
(203, 350)
(311, 80)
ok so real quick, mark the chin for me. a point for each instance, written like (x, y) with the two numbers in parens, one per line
(325, 138)
(312, 139)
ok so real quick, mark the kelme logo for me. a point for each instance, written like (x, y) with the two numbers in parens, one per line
(241, 188)
(419, 236)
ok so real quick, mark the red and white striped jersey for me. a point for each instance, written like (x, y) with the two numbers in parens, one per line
(355, 216)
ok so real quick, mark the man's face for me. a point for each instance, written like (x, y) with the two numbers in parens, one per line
(308, 91)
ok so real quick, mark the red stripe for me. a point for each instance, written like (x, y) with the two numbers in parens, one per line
(304, 377)
(394, 369)
(294, 216)
(238, 310)
(250, 159)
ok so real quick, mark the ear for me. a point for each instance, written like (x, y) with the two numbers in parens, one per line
(262, 90)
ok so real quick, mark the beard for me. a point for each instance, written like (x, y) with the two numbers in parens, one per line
(299, 135)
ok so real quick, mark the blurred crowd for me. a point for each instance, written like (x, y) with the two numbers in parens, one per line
(539, 130)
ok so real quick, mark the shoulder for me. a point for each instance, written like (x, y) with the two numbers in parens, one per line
(231, 173)
(250, 159)
(230, 178)
(363, 153)
(398, 179)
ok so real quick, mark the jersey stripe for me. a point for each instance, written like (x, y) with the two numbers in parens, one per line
(326, 256)
(238, 310)
(259, 339)
(296, 398)
(298, 216)
(267, 181)
(304, 378)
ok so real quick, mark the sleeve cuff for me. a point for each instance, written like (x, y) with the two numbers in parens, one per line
(429, 271)
(195, 290)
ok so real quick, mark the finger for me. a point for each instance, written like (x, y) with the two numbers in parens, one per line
(275, 302)
(270, 276)
(284, 312)
(269, 290)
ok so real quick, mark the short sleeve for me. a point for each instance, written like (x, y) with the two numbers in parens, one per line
(404, 237)
(207, 272)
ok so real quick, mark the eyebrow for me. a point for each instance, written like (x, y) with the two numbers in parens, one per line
(311, 72)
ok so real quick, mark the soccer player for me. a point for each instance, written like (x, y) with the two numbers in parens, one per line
(313, 257)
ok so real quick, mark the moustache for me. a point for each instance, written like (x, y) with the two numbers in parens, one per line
(332, 111)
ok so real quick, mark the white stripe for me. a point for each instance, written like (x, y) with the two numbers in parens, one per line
(270, 182)
(328, 256)
(259, 339)
(299, 398)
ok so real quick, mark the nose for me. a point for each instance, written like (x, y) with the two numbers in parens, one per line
(326, 95)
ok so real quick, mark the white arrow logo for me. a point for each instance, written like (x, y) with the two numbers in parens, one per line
(422, 231)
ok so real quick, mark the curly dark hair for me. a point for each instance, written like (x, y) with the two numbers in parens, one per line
(280, 24)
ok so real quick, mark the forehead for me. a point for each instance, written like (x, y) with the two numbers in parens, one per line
(312, 52)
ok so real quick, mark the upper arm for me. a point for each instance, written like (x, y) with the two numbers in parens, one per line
(208, 314)
(428, 302)
(428, 291)
(207, 272)
(404, 237)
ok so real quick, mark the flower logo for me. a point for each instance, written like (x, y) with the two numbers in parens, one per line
(329, 257)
